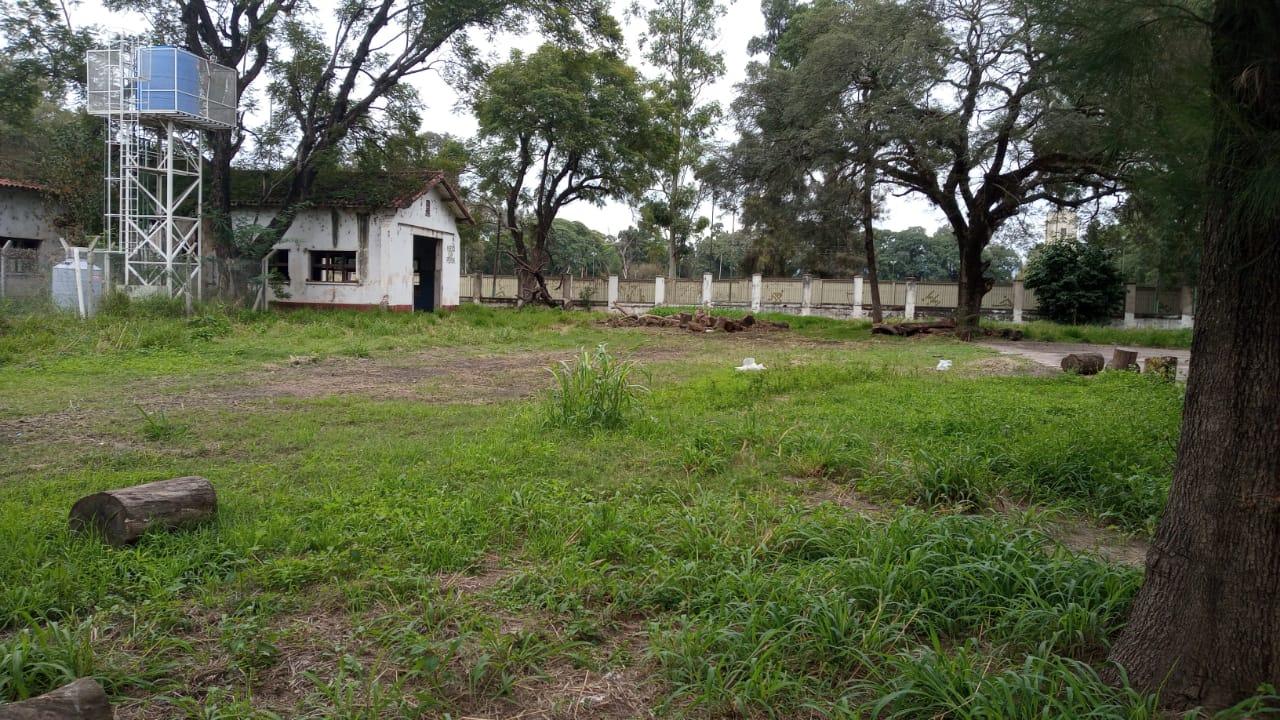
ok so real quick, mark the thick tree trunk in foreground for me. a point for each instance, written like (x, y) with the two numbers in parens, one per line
(83, 699)
(1205, 627)
(123, 515)
(974, 283)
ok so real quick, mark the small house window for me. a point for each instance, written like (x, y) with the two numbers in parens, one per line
(21, 256)
(426, 206)
(333, 266)
(280, 265)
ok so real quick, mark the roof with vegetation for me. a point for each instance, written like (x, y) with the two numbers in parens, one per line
(22, 185)
(347, 188)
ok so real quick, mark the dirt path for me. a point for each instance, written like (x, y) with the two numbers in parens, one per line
(1050, 354)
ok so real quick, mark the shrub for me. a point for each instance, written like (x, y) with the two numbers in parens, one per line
(1075, 282)
(595, 391)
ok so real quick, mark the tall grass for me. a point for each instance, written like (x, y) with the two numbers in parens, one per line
(596, 390)
(1045, 331)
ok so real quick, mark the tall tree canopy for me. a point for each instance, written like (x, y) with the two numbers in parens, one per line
(678, 40)
(559, 126)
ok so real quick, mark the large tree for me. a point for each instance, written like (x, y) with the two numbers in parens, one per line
(559, 126)
(678, 40)
(1205, 627)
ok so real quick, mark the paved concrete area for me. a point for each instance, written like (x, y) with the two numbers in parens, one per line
(1051, 354)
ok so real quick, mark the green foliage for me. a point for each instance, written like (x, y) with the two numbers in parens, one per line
(157, 426)
(1075, 282)
(1045, 331)
(595, 391)
(439, 552)
(915, 253)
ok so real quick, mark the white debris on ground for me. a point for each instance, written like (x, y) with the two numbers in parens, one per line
(943, 365)
(749, 365)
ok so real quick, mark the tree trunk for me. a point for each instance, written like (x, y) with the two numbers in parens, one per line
(1205, 627)
(123, 515)
(220, 195)
(869, 242)
(974, 283)
(1123, 360)
(83, 699)
(671, 253)
(531, 279)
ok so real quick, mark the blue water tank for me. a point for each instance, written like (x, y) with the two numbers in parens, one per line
(169, 80)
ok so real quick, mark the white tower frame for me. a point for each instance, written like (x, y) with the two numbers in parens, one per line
(154, 174)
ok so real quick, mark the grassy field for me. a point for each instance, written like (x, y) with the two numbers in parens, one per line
(412, 525)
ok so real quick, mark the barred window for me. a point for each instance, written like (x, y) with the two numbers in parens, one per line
(334, 266)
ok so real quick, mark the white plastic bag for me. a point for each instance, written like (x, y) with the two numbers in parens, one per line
(749, 365)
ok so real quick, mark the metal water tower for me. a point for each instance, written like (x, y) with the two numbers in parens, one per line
(158, 101)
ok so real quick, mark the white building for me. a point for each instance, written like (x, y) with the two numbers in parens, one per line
(363, 240)
(1061, 224)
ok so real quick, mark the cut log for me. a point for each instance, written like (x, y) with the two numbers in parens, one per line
(1083, 363)
(1165, 366)
(1123, 360)
(83, 699)
(910, 329)
(121, 516)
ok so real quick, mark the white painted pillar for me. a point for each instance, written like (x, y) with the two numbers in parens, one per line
(566, 291)
(659, 291)
(806, 294)
(909, 311)
(1130, 305)
(477, 288)
(1019, 299)
(1188, 297)
(856, 311)
(757, 291)
(613, 292)
(706, 289)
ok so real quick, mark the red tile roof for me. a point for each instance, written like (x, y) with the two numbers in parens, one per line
(22, 185)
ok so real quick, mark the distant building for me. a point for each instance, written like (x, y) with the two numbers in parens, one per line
(27, 212)
(1061, 224)
(363, 240)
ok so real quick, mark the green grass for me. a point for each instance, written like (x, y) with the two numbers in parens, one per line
(1045, 331)
(417, 558)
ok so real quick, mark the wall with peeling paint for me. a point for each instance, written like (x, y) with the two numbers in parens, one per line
(384, 254)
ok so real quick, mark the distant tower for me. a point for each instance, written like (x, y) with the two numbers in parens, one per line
(157, 101)
(1061, 224)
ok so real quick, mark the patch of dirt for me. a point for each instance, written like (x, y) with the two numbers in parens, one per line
(818, 491)
(1110, 545)
(1003, 365)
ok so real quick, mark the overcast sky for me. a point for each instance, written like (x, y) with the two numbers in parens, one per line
(442, 111)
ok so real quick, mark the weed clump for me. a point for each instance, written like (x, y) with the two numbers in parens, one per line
(596, 391)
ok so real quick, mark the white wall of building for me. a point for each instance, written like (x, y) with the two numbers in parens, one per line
(384, 257)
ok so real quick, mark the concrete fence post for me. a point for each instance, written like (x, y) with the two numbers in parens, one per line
(909, 310)
(4, 258)
(566, 290)
(706, 289)
(477, 287)
(1188, 298)
(1130, 305)
(856, 300)
(613, 292)
(806, 294)
(757, 291)
(659, 291)
(1019, 299)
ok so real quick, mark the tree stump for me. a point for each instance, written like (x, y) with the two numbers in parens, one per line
(1123, 360)
(1083, 363)
(83, 699)
(1166, 366)
(123, 515)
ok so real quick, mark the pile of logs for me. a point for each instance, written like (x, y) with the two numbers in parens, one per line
(1166, 366)
(909, 329)
(699, 321)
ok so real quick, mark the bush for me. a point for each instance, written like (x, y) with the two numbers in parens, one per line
(595, 391)
(1075, 282)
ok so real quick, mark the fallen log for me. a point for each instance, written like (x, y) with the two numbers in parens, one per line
(83, 699)
(1083, 363)
(909, 329)
(1165, 366)
(121, 516)
(1123, 360)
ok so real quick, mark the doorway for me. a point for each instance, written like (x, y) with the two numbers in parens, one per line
(425, 276)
